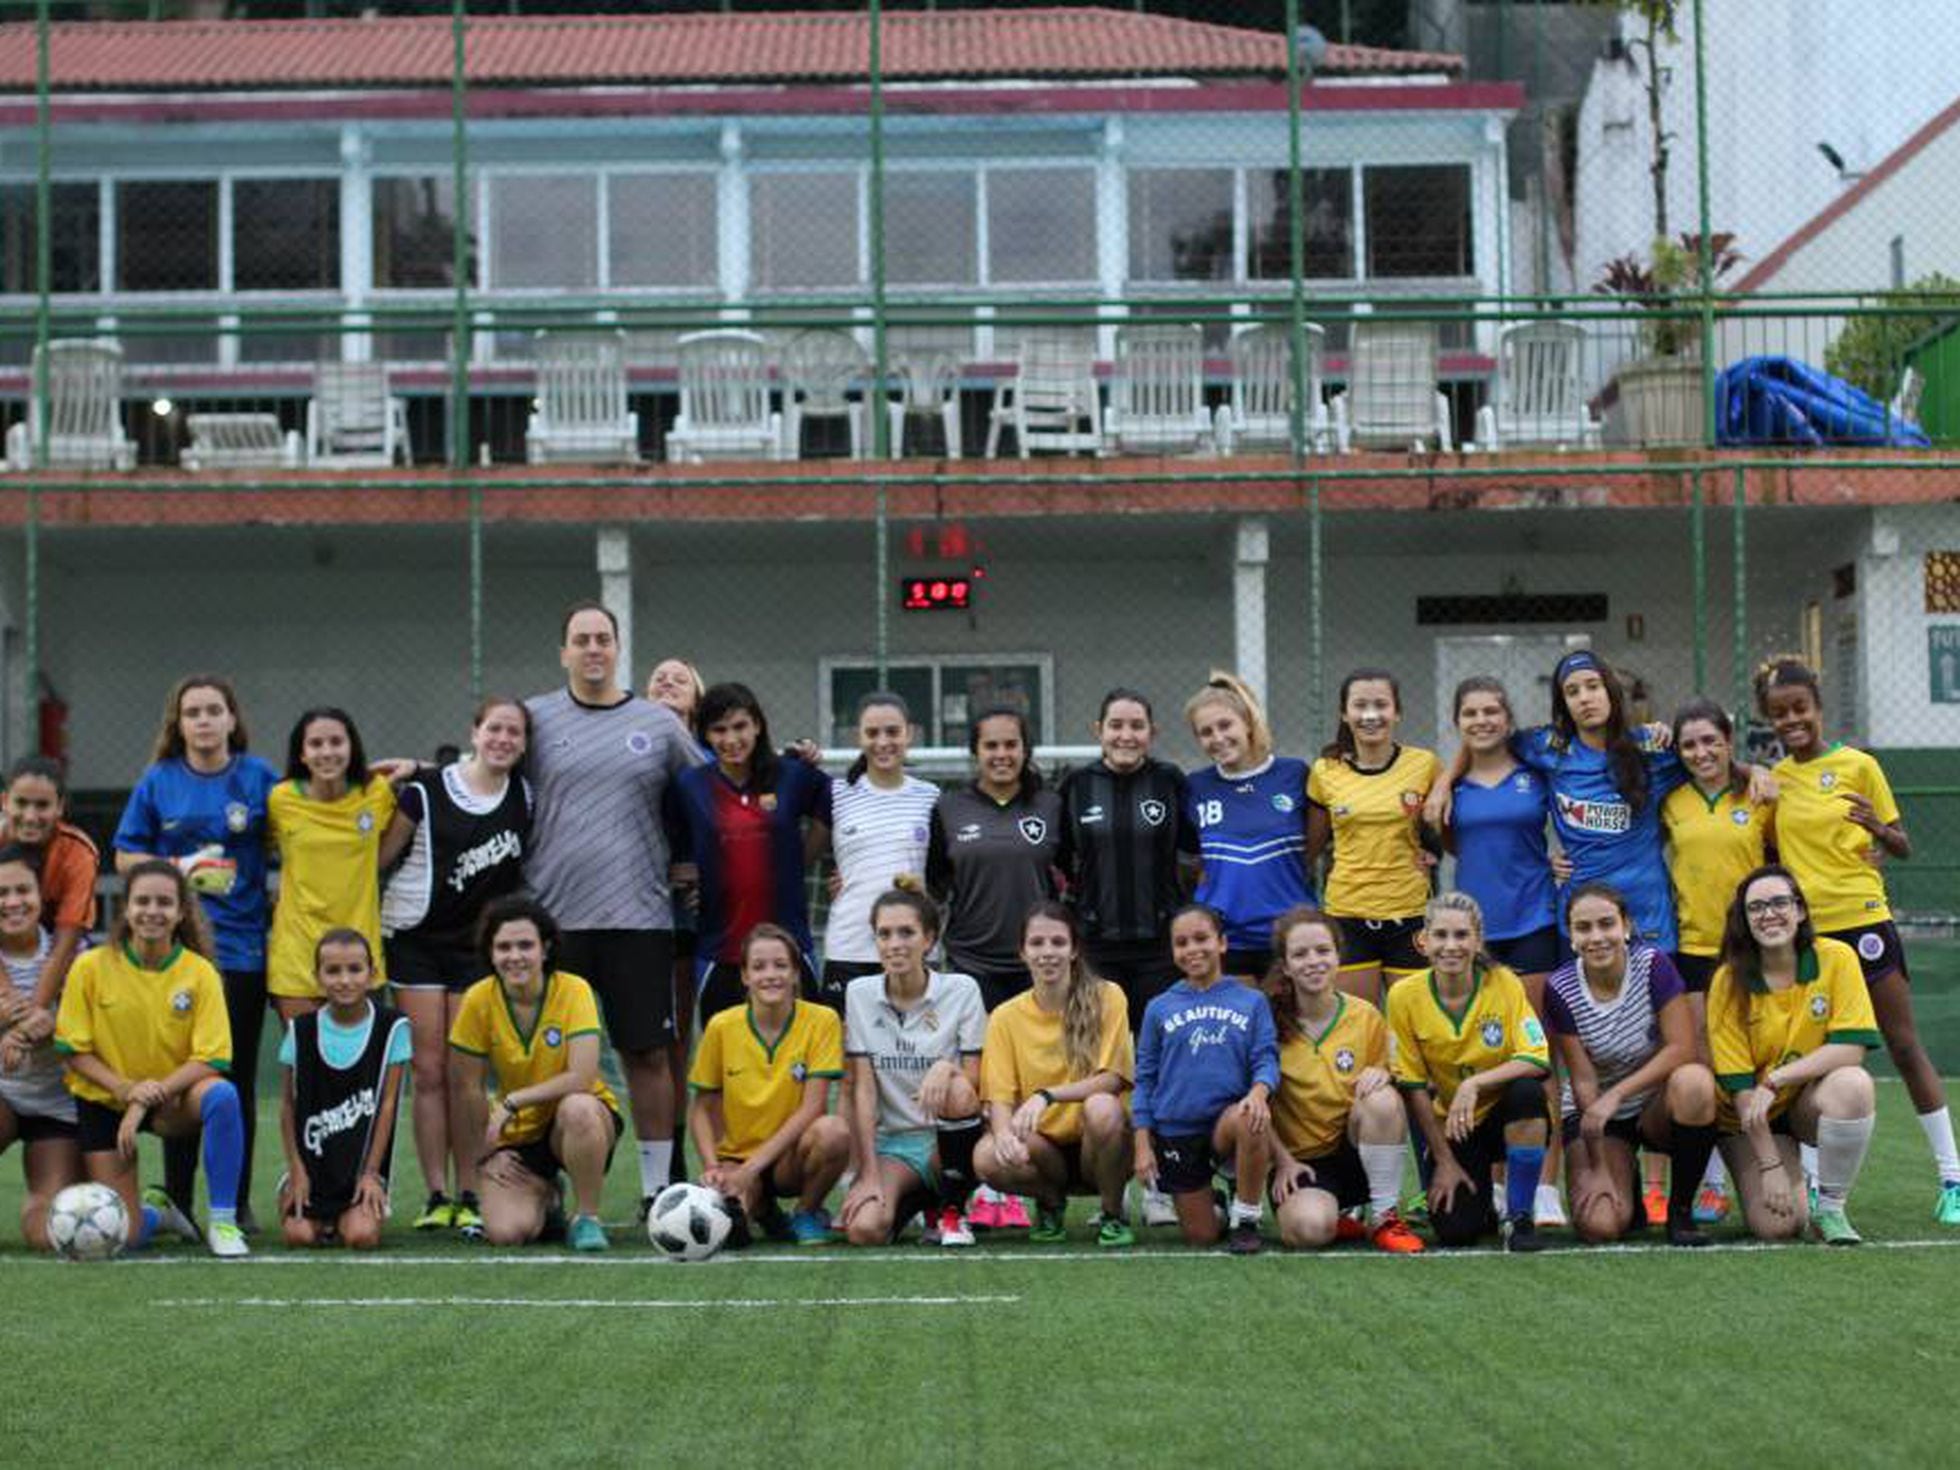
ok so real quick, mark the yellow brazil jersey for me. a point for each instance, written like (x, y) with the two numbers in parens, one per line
(761, 1086)
(1375, 816)
(1317, 1077)
(329, 876)
(1829, 855)
(1829, 1002)
(143, 1022)
(1432, 1046)
(485, 1027)
(1711, 847)
(1024, 1053)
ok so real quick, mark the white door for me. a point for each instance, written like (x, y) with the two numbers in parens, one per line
(1522, 661)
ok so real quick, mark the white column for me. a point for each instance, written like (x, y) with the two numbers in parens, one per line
(616, 593)
(356, 240)
(1112, 227)
(732, 216)
(1250, 552)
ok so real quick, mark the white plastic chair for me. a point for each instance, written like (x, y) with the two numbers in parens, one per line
(1391, 400)
(1538, 397)
(1260, 411)
(240, 441)
(351, 421)
(928, 387)
(85, 430)
(580, 414)
(1052, 401)
(1904, 407)
(724, 412)
(1157, 396)
(820, 368)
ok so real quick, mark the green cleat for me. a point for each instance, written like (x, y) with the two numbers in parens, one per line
(1947, 1210)
(1115, 1234)
(587, 1234)
(1049, 1227)
(1833, 1228)
(439, 1214)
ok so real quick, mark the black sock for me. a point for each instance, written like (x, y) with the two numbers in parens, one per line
(1688, 1161)
(957, 1138)
(180, 1171)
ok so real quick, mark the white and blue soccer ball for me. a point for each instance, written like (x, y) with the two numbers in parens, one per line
(688, 1222)
(87, 1222)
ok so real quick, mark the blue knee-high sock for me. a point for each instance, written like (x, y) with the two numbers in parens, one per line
(1522, 1166)
(224, 1147)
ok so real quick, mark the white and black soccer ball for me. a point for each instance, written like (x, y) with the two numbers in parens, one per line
(87, 1222)
(688, 1222)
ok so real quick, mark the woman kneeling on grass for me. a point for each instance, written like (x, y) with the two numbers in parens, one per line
(1789, 1022)
(1057, 1063)
(536, 1029)
(1469, 1056)
(344, 1066)
(1339, 1134)
(1624, 1029)
(761, 1082)
(1207, 1061)
(913, 1038)
(144, 1031)
(36, 1109)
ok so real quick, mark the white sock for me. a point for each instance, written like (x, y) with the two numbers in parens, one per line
(1246, 1212)
(1841, 1145)
(1938, 1128)
(656, 1159)
(1382, 1163)
(1716, 1175)
(1807, 1155)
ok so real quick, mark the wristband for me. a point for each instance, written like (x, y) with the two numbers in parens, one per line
(1042, 1092)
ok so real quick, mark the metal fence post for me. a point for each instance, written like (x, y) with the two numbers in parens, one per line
(1705, 264)
(875, 399)
(1741, 673)
(43, 332)
(1698, 555)
(459, 242)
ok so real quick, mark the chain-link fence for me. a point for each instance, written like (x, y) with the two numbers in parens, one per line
(989, 353)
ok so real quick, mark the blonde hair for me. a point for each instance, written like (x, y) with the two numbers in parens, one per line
(1455, 901)
(1229, 690)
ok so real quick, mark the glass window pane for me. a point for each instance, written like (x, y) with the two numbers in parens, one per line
(803, 230)
(1180, 224)
(661, 229)
(930, 227)
(167, 236)
(1418, 220)
(285, 234)
(544, 231)
(413, 221)
(74, 242)
(1041, 225)
(1329, 217)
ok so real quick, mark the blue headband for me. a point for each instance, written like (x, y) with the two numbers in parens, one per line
(1573, 662)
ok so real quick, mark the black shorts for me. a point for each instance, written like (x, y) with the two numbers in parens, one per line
(998, 987)
(720, 988)
(1627, 1130)
(1339, 1172)
(1537, 953)
(1143, 969)
(39, 1128)
(1185, 1161)
(96, 1126)
(836, 979)
(1250, 965)
(632, 972)
(1878, 949)
(1696, 970)
(539, 1158)
(1389, 943)
(416, 963)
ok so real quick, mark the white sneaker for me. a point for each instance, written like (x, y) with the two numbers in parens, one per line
(1548, 1209)
(228, 1240)
(170, 1217)
(1157, 1209)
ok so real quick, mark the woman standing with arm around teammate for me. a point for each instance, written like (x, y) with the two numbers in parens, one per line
(1365, 797)
(36, 1109)
(1249, 809)
(881, 826)
(1836, 819)
(460, 833)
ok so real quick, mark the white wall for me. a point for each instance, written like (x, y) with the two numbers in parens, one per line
(1896, 694)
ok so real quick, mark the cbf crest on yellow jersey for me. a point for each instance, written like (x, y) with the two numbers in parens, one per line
(1831, 855)
(1375, 815)
(487, 1027)
(1435, 1047)
(1751, 1028)
(1712, 845)
(761, 1083)
(1317, 1076)
(143, 1021)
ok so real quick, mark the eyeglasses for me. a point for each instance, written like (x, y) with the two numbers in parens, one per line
(1781, 904)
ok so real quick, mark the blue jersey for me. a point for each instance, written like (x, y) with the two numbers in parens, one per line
(175, 810)
(1501, 858)
(1252, 836)
(1606, 839)
(1200, 1051)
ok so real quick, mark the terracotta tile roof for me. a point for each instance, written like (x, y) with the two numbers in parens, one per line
(655, 49)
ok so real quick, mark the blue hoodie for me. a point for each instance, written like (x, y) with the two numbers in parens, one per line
(1200, 1051)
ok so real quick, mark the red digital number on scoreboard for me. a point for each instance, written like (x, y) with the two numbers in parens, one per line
(933, 594)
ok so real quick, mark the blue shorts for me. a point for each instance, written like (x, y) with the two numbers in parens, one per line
(913, 1148)
(1537, 953)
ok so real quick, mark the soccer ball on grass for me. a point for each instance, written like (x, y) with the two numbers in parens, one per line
(688, 1222)
(87, 1222)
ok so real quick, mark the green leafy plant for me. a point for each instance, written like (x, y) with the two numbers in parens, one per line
(1657, 285)
(1870, 351)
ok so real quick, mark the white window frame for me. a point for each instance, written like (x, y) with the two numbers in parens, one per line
(929, 721)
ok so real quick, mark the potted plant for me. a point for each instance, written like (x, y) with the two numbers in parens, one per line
(1660, 391)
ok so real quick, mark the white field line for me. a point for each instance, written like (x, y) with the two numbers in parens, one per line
(926, 1256)
(583, 1303)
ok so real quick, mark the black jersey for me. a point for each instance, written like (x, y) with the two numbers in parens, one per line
(336, 1109)
(991, 862)
(466, 851)
(1121, 837)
